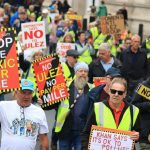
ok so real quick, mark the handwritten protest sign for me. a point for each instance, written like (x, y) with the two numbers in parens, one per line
(109, 139)
(34, 35)
(143, 91)
(9, 66)
(63, 47)
(112, 24)
(50, 80)
(99, 81)
(74, 17)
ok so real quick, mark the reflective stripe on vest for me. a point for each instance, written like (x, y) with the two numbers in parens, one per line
(63, 111)
(105, 118)
(135, 113)
(148, 48)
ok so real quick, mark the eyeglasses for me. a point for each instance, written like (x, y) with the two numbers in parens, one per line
(113, 91)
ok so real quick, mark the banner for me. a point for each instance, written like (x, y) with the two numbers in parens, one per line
(143, 91)
(112, 24)
(110, 139)
(74, 17)
(63, 47)
(9, 66)
(99, 81)
(34, 37)
(50, 80)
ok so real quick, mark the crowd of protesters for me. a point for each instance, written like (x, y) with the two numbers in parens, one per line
(124, 61)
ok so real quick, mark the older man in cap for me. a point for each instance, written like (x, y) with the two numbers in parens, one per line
(25, 122)
(68, 121)
(68, 66)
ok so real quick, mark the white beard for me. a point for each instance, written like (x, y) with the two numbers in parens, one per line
(80, 82)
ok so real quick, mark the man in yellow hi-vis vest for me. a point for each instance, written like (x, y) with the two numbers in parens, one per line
(68, 66)
(69, 123)
(84, 48)
(114, 113)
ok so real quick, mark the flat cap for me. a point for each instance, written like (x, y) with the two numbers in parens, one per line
(72, 52)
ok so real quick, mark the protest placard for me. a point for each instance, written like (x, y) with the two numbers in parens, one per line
(74, 17)
(34, 37)
(63, 47)
(143, 91)
(109, 139)
(112, 24)
(99, 81)
(9, 66)
(50, 80)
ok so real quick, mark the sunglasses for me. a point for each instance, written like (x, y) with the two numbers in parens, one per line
(76, 57)
(113, 91)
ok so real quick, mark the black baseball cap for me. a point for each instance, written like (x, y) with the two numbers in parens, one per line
(113, 72)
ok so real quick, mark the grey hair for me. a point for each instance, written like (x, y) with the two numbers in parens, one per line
(104, 46)
(35, 52)
(135, 37)
(119, 80)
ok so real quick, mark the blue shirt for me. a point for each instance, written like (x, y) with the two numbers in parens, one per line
(108, 65)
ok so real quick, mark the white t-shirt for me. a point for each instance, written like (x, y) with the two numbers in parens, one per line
(19, 132)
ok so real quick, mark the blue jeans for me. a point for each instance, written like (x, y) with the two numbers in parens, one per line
(74, 141)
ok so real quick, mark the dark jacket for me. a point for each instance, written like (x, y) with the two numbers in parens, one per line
(92, 121)
(96, 69)
(67, 127)
(24, 64)
(94, 95)
(144, 105)
(134, 65)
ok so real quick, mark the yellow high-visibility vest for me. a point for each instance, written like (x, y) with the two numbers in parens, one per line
(63, 111)
(105, 118)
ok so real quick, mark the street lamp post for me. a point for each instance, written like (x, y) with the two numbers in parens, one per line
(93, 2)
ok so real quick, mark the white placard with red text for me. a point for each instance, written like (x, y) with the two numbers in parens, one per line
(110, 139)
(34, 37)
(63, 47)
